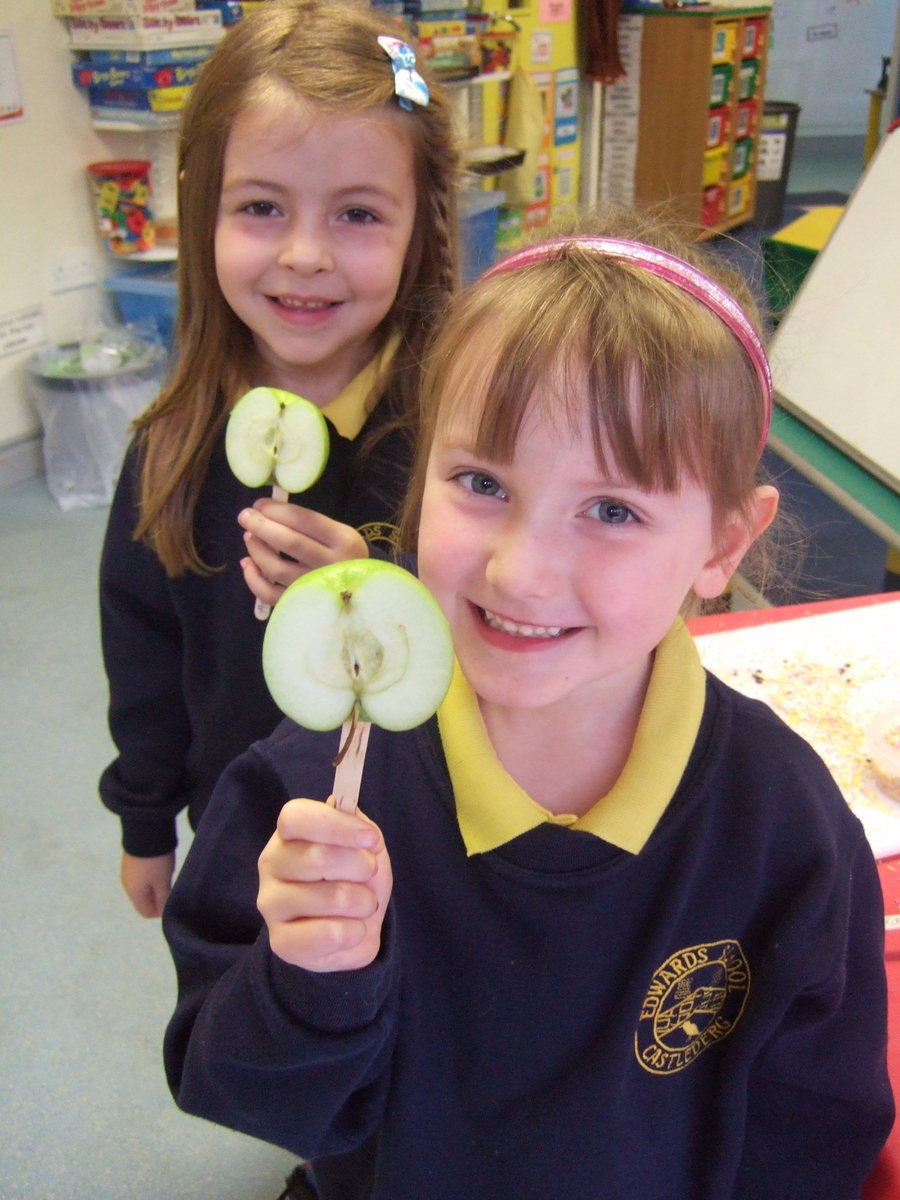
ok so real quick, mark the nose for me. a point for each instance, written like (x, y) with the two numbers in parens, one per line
(524, 560)
(305, 249)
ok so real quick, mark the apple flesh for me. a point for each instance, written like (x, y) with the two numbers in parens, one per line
(276, 437)
(361, 638)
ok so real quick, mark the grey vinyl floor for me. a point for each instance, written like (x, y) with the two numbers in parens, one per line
(86, 986)
(826, 164)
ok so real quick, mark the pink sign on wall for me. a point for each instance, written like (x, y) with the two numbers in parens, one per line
(553, 11)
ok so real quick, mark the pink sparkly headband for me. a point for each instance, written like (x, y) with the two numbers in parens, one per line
(675, 271)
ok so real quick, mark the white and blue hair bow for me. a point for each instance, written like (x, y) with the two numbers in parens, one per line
(408, 83)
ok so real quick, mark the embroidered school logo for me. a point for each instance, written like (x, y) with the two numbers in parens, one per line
(381, 531)
(694, 1000)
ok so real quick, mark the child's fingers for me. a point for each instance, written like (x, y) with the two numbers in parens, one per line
(336, 900)
(311, 538)
(320, 945)
(312, 821)
(309, 862)
(272, 567)
(269, 593)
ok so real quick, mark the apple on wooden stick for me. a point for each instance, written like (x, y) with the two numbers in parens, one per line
(276, 437)
(355, 643)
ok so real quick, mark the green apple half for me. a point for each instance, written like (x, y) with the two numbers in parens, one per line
(275, 436)
(362, 636)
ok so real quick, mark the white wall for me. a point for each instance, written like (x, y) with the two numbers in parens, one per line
(824, 54)
(44, 203)
(45, 208)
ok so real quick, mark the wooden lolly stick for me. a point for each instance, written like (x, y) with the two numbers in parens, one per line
(261, 611)
(349, 765)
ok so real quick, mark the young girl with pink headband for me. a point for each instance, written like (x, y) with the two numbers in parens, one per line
(606, 927)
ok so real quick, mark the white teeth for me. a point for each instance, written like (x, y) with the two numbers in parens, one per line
(528, 631)
(306, 305)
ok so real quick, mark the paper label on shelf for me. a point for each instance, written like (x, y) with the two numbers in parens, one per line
(770, 158)
(22, 330)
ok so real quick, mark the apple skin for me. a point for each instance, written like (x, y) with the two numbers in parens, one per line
(360, 633)
(276, 437)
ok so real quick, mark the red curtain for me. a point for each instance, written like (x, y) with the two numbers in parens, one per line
(601, 22)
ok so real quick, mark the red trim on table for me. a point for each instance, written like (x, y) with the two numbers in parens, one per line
(721, 622)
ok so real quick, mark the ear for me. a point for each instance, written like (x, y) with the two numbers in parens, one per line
(738, 535)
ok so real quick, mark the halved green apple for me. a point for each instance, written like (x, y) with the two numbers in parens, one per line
(361, 639)
(276, 437)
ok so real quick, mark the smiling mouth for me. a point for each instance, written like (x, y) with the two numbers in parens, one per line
(515, 629)
(304, 305)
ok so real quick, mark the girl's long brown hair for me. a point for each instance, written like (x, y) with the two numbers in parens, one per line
(326, 52)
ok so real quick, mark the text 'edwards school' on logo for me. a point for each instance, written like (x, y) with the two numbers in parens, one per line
(694, 1000)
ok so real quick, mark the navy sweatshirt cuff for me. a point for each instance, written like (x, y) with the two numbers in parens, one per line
(333, 1001)
(148, 839)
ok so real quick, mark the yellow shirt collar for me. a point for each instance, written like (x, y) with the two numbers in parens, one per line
(491, 807)
(349, 410)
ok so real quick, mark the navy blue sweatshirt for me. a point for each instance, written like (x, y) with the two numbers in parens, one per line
(184, 656)
(555, 1018)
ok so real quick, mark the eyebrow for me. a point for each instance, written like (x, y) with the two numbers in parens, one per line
(268, 185)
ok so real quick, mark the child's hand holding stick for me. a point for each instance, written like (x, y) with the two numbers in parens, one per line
(351, 644)
(275, 436)
(284, 541)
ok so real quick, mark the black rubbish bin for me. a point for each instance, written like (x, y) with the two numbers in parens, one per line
(773, 164)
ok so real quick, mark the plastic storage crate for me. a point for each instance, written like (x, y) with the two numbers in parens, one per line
(479, 213)
(713, 161)
(740, 159)
(716, 127)
(747, 77)
(147, 292)
(724, 39)
(719, 84)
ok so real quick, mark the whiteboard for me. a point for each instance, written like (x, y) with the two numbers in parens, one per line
(836, 354)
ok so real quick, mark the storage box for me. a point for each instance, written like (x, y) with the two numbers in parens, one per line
(747, 77)
(716, 127)
(119, 8)
(724, 40)
(741, 158)
(452, 55)
(496, 52)
(720, 84)
(739, 198)
(713, 161)
(510, 224)
(153, 100)
(746, 119)
(145, 33)
(132, 76)
(147, 292)
(479, 213)
(151, 58)
(712, 206)
(232, 10)
(751, 44)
